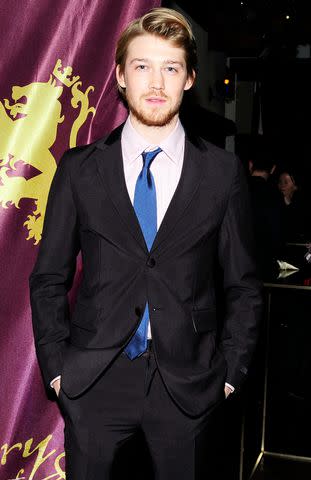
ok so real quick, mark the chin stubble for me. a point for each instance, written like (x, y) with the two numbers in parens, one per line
(154, 120)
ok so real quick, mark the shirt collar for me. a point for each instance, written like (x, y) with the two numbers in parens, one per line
(134, 144)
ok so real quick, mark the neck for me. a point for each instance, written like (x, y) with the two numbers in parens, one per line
(154, 135)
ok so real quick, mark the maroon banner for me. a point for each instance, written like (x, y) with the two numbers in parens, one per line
(57, 90)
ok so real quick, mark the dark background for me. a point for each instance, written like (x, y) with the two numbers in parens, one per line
(246, 28)
(262, 44)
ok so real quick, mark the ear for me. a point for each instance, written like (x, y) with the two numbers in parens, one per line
(250, 165)
(120, 77)
(190, 81)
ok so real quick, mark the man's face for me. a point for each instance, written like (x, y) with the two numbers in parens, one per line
(154, 78)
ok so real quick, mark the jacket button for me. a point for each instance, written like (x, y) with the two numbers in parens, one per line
(151, 262)
(138, 311)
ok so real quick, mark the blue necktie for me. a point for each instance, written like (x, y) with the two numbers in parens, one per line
(145, 206)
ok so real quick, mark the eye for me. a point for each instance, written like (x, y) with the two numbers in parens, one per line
(171, 69)
(141, 67)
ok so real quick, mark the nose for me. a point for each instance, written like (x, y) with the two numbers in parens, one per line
(156, 80)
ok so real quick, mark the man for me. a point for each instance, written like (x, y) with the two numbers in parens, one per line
(266, 210)
(149, 208)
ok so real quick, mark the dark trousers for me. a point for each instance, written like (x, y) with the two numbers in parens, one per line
(131, 397)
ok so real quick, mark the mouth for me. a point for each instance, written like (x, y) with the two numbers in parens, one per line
(156, 100)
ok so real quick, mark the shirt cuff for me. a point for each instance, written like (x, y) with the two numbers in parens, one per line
(230, 386)
(54, 380)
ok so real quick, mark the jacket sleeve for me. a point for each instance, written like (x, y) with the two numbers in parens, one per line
(53, 273)
(242, 289)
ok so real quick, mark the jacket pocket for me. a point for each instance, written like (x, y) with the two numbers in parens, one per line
(204, 320)
(85, 317)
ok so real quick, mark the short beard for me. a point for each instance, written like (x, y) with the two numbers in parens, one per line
(160, 120)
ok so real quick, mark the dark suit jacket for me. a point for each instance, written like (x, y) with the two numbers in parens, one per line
(89, 209)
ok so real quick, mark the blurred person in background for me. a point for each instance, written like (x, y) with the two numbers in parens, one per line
(267, 209)
(295, 206)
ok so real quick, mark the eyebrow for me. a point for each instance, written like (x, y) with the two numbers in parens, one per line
(139, 60)
(166, 62)
(173, 62)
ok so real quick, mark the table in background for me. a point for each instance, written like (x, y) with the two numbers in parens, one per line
(277, 422)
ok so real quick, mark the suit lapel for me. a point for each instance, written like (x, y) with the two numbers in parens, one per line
(189, 182)
(110, 167)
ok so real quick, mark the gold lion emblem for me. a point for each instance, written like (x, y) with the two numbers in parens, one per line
(28, 131)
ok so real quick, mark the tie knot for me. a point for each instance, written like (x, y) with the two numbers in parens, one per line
(148, 157)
